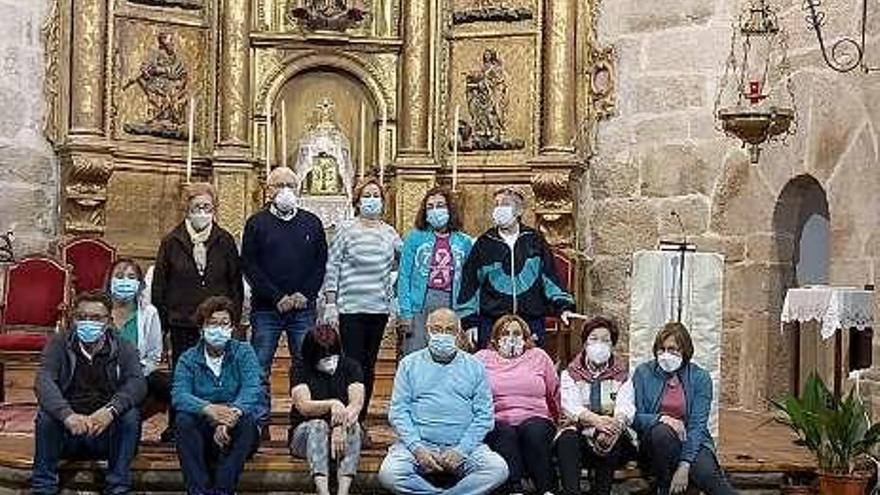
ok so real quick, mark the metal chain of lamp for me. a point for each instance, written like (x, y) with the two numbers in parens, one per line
(755, 100)
(846, 54)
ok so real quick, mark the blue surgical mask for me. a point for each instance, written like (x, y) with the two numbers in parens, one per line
(89, 331)
(371, 207)
(217, 336)
(124, 289)
(442, 345)
(438, 217)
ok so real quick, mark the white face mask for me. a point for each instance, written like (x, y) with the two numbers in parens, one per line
(598, 352)
(328, 364)
(668, 361)
(285, 200)
(503, 216)
(200, 220)
(511, 346)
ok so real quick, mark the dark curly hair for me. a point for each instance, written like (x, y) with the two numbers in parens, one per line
(600, 322)
(454, 223)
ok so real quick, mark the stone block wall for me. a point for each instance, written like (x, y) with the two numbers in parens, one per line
(662, 152)
(28, 167)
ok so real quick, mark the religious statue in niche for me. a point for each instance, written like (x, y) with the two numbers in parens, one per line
(327, 15)
(324, 157)
(183, 4)
(163, 78)
(487, 102)
(491, 11)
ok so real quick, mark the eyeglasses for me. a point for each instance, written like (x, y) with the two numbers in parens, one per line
(202, 209)
(91, 316)
(442, 328)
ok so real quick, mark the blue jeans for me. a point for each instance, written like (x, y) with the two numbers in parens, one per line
(117, 445)
(480, 473)
(198, 452)
(536, 326)
(266, 329)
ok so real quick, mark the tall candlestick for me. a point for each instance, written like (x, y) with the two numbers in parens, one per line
(362, 163)
(190, 126)
(382, 146)
(268, 139)
(455, 148)
(284, 134)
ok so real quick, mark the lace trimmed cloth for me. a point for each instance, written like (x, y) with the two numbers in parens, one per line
(831, 307)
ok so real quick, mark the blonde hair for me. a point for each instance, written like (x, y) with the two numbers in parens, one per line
(200, 189)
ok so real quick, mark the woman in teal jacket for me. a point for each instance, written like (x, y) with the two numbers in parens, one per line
(667, 401)
(430, 266)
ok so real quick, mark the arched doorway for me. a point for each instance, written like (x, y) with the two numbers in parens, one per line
(801, 222)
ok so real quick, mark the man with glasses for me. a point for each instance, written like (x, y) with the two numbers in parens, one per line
(88, 388)
(284, 252)
(196, 260)
(441, 409)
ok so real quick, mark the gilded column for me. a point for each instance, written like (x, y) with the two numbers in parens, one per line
(234, 73)
(89, 43)
(415, 93)
(558, 114)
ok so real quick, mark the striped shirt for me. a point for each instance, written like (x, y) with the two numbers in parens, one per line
(360, 266)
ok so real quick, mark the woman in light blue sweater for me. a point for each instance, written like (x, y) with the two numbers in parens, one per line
(430, 265)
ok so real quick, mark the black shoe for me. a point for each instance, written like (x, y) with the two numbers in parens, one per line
(167, 436)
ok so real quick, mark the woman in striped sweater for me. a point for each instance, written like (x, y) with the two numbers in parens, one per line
(359, 285)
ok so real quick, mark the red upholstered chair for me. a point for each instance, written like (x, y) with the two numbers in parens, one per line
(565, 269)
(90, 259)
(34, 300)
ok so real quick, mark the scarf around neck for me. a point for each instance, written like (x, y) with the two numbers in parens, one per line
(580, 371)
(200, 251)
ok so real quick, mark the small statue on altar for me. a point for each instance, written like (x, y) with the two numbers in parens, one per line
(330, 15)
(487, 101)
(163, 78)
(323, 180)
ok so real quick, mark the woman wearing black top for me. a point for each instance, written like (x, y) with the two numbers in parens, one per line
(328, 394)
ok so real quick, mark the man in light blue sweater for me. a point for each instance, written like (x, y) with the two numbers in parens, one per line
(441, 408)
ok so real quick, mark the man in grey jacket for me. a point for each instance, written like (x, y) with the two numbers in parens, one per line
(88, 388)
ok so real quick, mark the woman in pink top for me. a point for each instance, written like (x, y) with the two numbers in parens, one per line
(525, 390)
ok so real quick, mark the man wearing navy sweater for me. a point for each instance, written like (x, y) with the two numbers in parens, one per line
(284, 253)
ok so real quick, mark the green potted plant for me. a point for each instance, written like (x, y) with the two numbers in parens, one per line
(837, 431)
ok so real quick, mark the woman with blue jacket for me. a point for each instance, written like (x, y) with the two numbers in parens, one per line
(667, 402)
(430, 266)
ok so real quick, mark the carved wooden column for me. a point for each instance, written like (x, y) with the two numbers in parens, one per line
(558, 125)
(232, 166)
(415, 87)
(87, 67)
(86, 159)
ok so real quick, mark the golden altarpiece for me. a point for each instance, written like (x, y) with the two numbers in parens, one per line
(524, 78)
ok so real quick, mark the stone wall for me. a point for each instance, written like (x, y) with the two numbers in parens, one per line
(662, 152)
(28, 170)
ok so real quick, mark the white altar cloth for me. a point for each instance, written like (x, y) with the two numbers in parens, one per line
(831, 307)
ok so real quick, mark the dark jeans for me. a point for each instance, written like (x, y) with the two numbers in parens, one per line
(573, 453)
(361, 338)
(661, 449)
(531, 441)
(536, 326)
(202, 460)
(267, 327)
(117, 445)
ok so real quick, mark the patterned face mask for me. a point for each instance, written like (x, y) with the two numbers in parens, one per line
(511, 346)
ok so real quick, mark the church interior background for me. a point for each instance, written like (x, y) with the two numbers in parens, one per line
(603, 111)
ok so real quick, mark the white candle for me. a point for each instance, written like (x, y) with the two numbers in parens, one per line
(268, 139)
(284, 134)
(190, 132)
(455, 148)
(382, 146)
(362, 165)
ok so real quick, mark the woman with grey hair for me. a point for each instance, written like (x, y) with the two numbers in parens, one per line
(510, 270)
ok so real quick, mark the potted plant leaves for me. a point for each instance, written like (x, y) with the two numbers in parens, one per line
(837, 430)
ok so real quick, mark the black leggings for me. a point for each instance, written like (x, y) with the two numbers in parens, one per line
(573, 453)
(661, 450)
(361, 338)
(532, 440)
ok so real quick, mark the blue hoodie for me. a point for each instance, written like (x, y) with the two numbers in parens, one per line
(649, 380)
(240, 383)
(415, 267)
